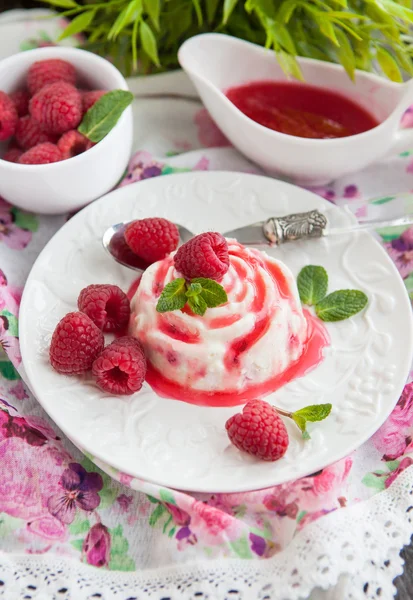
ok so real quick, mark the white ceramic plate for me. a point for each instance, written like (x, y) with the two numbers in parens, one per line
(183, 446)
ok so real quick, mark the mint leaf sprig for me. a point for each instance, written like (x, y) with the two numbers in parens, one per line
(200, 293)
(312, 413)
(312, 283)
(102, 117)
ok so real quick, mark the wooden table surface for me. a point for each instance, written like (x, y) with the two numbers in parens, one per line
(404, 583)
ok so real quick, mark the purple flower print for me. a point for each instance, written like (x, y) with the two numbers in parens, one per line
(80, 490)
(394, 436)
(351, 191)
(19, 427)
(141, 166)
(124, 502)
(401, 251)
(96, 547)
(14, 237)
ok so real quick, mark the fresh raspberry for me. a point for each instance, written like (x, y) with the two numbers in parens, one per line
(76, 342)
(12, 155)
(44, 72)
(106, 305)
(121, 368)
(29, 134)
(258, 430)
(21, 100)
(41, 155)
(57, 107)
(73, 143)
(8, 117)
(152, 239)
(205, 255)
(89, 98)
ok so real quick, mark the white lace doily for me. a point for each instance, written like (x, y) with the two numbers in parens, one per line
(358, 547)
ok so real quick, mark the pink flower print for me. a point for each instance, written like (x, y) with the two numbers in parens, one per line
(3, 279)
(280, 503)
(49, 528)
(351, 191)
(402, 258)
(312, 516)
(179, 516)
(9, 343)
(29, 477)
(80, 490)
(202, 164)
(14, 237)
(19, 427)
(18, 391)
(124, 502)
(406, 462)
(125, 479)
(394, 436)
(209, 135)
(331, 477)
(212, 526)
(96, 547)
(407, 118)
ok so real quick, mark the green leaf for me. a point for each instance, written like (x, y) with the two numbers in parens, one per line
(25, 220)
(300, 421)
(149, 43)
(173, 296)
(388, 65)
(171, 532)
(8, 371)
(283, 38)
(345, 53)
(241, 547)
(61, 3)
(77, 544)
(120, 545)
(212, 292)
(130, 13)
(340, 305)
(167, 523)
(211, 9)
(79, 526)
(290, 65)
(157, 514)
(384, 200)
(167, 496)
(286, 11)
(372, 481)
(392, 465)
(12, 325)
(229, 6)
(121, 563)
(79, 24)
(198, 305)
(104, 114)
(152, 499)
(315, 412)
(198, 11)
(312, 283)
(193, 290)
(153, 8)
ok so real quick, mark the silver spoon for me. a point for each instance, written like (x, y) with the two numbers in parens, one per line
(114, 243)
(272, 232)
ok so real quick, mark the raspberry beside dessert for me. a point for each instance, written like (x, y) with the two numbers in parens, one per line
(73, 143)
(121, 368)
(12, 155)
(76, 342)
(41, 154)
(205, 255)
(57, 107)
(8, 117)
(152, 239)
(44, 72)
(29, 133)
(259, 431)
(107, 306)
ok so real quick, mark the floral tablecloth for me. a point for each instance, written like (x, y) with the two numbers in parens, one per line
(69, 530)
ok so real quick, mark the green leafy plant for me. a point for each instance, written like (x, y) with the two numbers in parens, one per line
(143, 36)
(201, 293)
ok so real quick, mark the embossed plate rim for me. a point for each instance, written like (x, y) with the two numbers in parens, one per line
(83, 232)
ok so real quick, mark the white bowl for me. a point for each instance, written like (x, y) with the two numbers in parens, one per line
(67, 185)
(216, 62)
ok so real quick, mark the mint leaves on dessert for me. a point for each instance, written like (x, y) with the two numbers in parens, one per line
(200, 293)
(312, 283)
(315, 412)
(104, 114)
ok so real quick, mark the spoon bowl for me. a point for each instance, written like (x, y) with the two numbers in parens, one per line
(217, 62)
(114, 243)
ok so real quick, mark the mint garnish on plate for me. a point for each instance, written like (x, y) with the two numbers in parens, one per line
(104, 114)
(200, 293)
(315, 412)
(312, 283)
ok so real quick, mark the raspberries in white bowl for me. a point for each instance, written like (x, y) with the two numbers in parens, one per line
(66, 128)
(41, 119)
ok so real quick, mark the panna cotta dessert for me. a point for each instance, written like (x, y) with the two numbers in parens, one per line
(246, 347)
